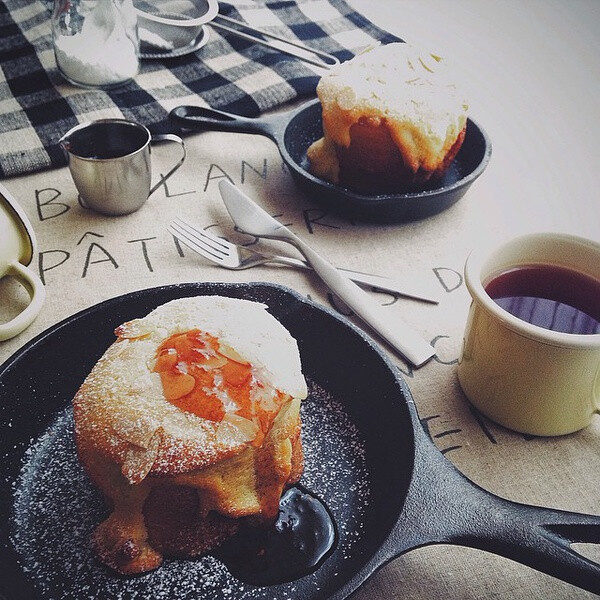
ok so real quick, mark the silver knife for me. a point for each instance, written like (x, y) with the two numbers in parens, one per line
(419, 291)
(252, 219)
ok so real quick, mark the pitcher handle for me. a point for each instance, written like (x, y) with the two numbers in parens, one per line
(168, 137)
(37, 293)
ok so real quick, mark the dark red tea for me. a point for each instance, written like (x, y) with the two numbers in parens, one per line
(548, 296)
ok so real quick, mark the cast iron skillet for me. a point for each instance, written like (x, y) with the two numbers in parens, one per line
(416, 496)
(295, 131)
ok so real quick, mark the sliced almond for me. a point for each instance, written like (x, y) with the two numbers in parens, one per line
(176, 385)
(138, 431)
(235, 373)
(265, 397)
(237, 429)
(231, 354)
(213, 362)
(133, 330)
(166, 360)
(138, 461)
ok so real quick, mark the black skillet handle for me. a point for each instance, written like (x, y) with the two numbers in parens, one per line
(198, 117)
(443, 506)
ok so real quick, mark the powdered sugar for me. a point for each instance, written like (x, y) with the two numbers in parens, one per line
(56, 508)
(105, 51)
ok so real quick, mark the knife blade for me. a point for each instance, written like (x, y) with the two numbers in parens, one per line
(418, 290)
(252, 219)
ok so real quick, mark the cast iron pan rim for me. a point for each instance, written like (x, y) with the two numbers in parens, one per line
(198, 285)
(293, 131)
(378, 198)
(439, 504)
(371, 561)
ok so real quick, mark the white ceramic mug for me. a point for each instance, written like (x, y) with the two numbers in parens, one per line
(526, 377)
(110, 163)
(17, 248)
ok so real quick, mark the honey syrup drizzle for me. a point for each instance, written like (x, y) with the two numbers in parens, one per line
(201, 376)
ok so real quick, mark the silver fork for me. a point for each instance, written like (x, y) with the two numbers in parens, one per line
(236, 257)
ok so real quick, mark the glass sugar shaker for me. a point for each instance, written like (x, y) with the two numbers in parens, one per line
(96, 43)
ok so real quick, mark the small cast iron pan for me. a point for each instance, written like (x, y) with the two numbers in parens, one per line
(416, 497)
(296, 130)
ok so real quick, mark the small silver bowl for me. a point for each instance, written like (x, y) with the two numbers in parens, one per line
(173, 25)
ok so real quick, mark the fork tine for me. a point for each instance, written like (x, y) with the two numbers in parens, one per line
(202, 235)
(198, 240)
(206, 241)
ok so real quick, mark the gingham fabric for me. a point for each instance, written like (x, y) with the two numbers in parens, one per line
(37, 105)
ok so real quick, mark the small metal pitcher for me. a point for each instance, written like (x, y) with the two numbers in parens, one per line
(109, 160)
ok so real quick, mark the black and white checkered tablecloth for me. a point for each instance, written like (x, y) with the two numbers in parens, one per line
(37, 106)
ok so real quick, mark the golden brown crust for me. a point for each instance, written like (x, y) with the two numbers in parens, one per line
(393, 119)
(190, 515)
(176, 526)
(121, 409)
(177, 484)
(125, 416)
(373, 161)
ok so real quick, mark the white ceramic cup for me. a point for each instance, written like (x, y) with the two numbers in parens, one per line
(525, 377)
(17, 248)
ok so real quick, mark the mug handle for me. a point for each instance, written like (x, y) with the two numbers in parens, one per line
(167, 137)
(37, 293)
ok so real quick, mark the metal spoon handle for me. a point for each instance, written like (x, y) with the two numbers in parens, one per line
(382, 283)
(392, 329)
(302, 51)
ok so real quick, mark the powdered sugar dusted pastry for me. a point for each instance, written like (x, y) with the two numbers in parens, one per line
(392, 117)
(188, 423)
